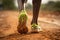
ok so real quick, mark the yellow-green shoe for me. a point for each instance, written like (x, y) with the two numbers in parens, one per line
(22, 27)
(35, 28)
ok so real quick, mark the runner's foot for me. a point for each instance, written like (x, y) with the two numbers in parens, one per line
(35, 28)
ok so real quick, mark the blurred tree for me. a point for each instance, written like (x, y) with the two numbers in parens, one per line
(8, 4)
(1, 6)
(57, 6)
(52, 6)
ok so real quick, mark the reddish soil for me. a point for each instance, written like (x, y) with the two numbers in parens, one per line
(50, 31)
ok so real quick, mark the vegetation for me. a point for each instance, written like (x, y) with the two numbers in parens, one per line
(51, 6)
(8, 4)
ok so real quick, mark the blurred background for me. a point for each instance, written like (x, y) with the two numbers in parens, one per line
(48, 5)
(51, 5)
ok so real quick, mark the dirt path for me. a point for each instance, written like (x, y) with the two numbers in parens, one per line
(50, 31)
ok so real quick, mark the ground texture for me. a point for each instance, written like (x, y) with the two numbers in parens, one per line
(9, 21)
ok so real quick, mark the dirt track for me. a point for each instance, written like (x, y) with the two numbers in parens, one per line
(10, 18)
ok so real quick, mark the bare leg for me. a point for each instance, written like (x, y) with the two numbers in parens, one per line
(21, 4)
(36, 7)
